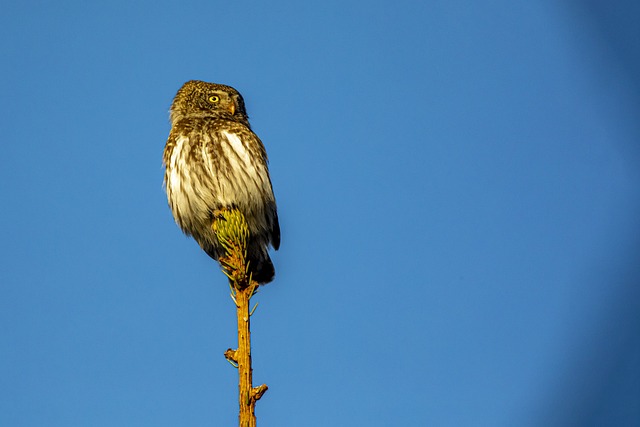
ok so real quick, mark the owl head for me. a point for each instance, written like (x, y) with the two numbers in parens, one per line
(201, 99)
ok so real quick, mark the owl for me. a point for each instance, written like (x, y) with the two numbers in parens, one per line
(214, 161)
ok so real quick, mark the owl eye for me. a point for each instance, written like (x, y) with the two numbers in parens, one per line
(214, 98)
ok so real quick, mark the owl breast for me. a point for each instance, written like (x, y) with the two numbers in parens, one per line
(208, 170)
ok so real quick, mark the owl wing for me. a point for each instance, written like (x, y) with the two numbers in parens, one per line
(271, 211)
(248, 164)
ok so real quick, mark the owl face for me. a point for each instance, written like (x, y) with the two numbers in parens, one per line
(200, 99)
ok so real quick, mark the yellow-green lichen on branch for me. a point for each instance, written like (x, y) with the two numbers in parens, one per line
(232, 231)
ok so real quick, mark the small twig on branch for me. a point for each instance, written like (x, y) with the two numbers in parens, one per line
(257, 392)
(230, 355)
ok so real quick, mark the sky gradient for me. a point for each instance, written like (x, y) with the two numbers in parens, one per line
(458, 192)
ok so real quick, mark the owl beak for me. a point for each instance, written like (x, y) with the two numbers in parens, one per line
(232, 108)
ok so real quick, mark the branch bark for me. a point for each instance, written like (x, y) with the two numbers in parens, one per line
(248, 395)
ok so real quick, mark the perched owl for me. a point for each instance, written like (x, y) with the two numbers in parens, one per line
(214, 161)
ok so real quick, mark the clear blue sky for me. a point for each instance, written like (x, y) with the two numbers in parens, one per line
(459, 194)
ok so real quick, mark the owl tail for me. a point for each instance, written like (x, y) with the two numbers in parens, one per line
(261, 267)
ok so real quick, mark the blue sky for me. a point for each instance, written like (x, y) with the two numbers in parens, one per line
(458, 194)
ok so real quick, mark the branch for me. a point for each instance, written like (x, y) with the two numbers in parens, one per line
(232, 232)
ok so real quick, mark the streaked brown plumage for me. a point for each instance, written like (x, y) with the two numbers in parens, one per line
(214, 161)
